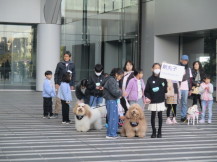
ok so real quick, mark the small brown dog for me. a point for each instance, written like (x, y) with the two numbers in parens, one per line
(135, 123)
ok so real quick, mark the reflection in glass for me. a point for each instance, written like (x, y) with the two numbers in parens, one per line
(17, 58)
(106, 32)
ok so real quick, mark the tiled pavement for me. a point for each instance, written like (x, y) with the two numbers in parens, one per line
(25, 136)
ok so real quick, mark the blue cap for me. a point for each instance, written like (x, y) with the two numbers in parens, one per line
(184, 57)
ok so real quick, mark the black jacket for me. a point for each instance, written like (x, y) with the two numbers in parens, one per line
(111, 89)
(91, 85)
(186, 76)
(153, 82)
(194, 73)
(62, 69)
(80, 95)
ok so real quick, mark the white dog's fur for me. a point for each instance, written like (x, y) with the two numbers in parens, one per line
(89, 118)
(192, 114)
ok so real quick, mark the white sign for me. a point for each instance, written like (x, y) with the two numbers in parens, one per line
(172, 72)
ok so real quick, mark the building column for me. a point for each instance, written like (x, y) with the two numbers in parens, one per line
(147, 37)
(48, 51)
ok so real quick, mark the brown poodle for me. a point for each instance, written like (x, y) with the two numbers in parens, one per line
(135, 123)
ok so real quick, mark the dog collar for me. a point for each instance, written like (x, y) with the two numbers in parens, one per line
(79, 117)
(134, 124)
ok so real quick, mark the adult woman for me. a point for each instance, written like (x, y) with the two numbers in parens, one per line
(198, 76)
(128, 74)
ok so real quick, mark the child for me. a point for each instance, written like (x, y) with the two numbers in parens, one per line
(48, 93)
(128, 75)
(64, 93)
(155, 90)
(112, 94)
(172, 97)
(95, 86)
(206, 90)
(81, 92)
(135, 89)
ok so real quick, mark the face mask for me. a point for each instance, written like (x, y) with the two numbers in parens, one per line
(98, 74)
(156, 71)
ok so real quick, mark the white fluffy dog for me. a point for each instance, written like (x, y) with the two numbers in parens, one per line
(192, 114)
(87, 118)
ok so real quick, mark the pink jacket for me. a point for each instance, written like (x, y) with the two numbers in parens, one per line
(206, 94)
(132, 89)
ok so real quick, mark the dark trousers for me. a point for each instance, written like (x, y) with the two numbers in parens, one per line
(65, 111)
(124, 105)
(195, 98)
(160, 119)
(173, 108)
(47, 106)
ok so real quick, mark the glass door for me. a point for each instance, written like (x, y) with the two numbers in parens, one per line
(17, 57)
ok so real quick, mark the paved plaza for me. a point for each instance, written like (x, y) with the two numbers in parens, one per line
(25, 136)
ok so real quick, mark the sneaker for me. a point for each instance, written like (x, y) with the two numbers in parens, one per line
(209, 121)
(153, 133)
(55, 115)
(168, 121)
(68, 122)
(202, 121)
(52, 117)
(183, 119)
(46, 117)
(174, 121)
(110, 137)
(63, 122)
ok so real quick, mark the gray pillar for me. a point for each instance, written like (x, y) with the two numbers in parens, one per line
(147, 40)
(48, 51)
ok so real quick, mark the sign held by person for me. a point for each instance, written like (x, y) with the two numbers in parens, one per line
(172, 72)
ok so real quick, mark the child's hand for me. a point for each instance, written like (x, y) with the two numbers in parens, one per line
(72, 87)
(122, 117)
(147, 101)
(189, 93)
(101, 88)
(124, 94)
(97, 87)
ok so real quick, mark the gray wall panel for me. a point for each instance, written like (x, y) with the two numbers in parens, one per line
(177, 16)
(30, 11)
(20, 11)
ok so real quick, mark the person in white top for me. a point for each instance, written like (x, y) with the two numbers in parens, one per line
(128, 74)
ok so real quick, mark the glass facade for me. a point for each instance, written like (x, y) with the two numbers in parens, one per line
(17, 57)
(100, 31)
(202, 46)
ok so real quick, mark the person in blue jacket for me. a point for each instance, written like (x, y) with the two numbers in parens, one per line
(48, 93)
(64, 93)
